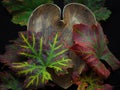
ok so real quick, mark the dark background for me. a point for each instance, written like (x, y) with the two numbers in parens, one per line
(9, 31)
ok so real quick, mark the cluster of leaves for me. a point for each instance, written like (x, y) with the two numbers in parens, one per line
(97, 6)
(22, 9)
(40, 57)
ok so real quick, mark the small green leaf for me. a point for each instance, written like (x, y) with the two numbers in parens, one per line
(102, 14)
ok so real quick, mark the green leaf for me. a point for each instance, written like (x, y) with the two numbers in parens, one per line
(22, 9)
(96, 6)
(21, 18)
(54, 58)
(102, 13)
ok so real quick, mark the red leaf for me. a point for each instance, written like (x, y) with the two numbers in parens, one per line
(90, 45)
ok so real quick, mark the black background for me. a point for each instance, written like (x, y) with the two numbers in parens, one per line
(111, 27)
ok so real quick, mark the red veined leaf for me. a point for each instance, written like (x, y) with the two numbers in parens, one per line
(90, 44)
